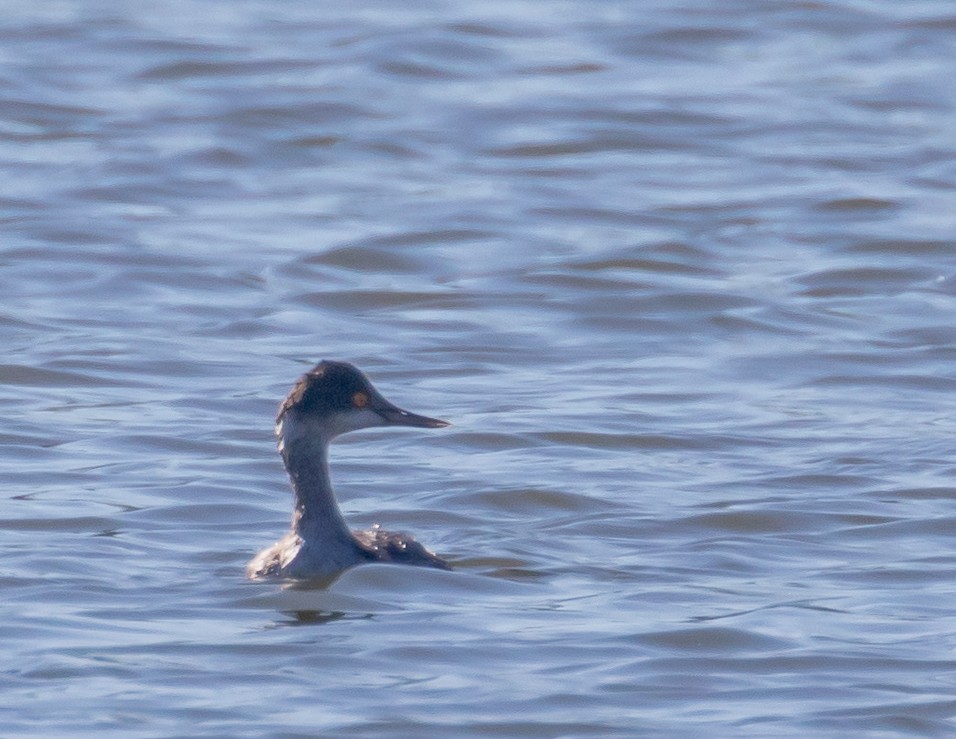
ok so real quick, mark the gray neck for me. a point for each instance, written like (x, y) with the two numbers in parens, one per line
(316, 517)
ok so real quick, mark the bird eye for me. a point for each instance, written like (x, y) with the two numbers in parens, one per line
(360, 400)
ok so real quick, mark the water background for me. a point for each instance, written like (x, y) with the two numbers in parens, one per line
(681, 274)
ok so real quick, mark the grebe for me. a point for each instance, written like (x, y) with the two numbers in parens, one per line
(332, 398)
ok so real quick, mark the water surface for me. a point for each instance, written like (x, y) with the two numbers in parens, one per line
(682, 276)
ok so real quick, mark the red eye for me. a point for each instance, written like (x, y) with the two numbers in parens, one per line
(360, 400)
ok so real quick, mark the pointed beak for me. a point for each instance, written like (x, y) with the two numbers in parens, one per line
(395, 416)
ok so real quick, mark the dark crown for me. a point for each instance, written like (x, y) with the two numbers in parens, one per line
(326, 388)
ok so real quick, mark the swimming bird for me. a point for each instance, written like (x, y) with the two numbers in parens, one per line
(331, 399)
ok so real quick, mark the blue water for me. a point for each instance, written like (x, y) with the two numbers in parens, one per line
(682, 276)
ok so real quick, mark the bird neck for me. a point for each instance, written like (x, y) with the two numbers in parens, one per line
(316, 516)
